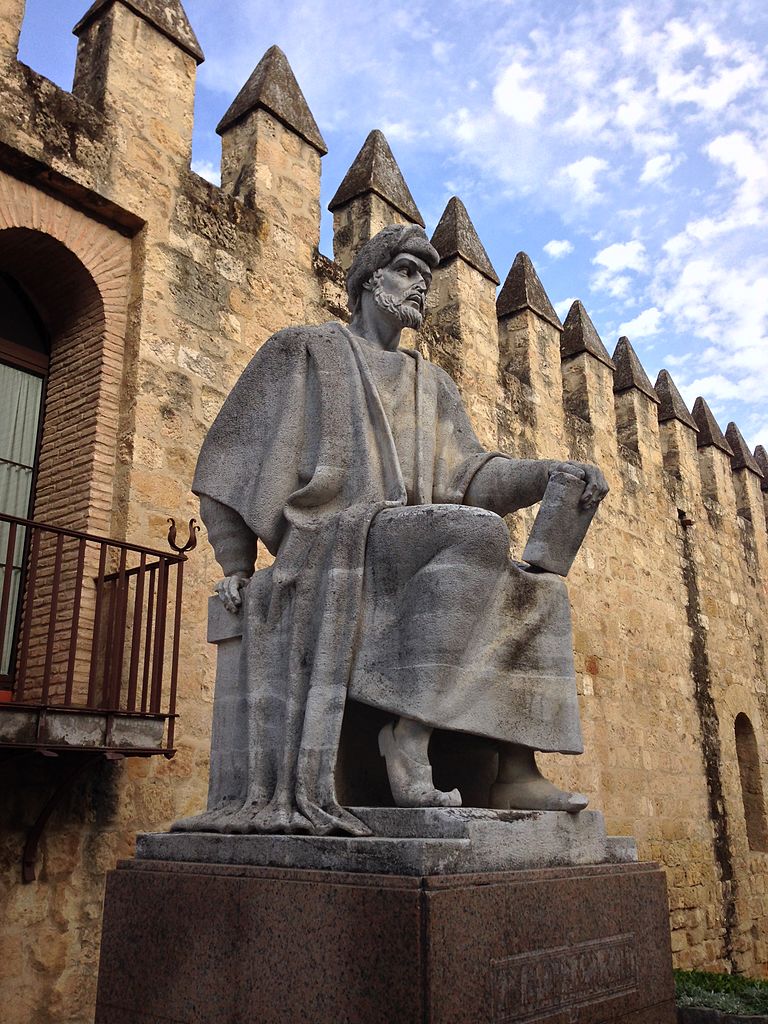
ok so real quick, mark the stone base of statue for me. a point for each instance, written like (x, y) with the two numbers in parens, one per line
(417, 927)
(413, 841)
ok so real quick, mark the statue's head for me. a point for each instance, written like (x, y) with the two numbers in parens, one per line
(395, 266)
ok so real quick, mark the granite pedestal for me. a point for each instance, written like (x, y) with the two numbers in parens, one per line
(191, 941)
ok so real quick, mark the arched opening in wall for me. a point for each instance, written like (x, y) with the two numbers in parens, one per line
(53, 429)
(71, 310)
(751, 784)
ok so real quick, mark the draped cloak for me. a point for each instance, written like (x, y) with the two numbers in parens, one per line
(303, 452)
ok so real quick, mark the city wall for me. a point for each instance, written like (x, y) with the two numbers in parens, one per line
(181, 282)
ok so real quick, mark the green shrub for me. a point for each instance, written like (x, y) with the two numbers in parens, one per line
(731, 993)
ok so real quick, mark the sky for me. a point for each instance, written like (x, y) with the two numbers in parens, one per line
(622, 145)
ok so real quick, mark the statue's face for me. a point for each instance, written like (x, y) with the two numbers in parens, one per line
(400, 289)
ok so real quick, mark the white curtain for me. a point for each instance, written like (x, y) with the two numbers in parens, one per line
(20, 400)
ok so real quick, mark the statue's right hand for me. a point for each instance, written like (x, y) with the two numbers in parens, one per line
(229, 589)
(596, 486)
(574, 468)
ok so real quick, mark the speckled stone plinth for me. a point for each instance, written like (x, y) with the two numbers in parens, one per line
(222, 944)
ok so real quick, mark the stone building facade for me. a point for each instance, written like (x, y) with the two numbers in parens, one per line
(155, 288)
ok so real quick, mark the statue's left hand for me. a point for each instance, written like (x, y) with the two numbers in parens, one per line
(596, 485)
(229, 589)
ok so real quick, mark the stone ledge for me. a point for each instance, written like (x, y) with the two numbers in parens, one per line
(79, 729)
(418, 841)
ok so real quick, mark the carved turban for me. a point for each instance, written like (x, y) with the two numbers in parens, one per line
(380, 250)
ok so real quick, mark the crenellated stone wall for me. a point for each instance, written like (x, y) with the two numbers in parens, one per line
(668, 594)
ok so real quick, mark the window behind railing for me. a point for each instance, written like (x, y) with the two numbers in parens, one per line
(23, 369)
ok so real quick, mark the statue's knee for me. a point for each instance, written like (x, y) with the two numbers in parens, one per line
(489, 538)
(481, 537)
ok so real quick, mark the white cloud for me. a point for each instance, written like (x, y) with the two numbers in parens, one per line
(714, 93)
(637, 117)
(618, 287)
(516, 99)
(635, 107)
(557, 249)
(622, 256)
(659, 167)
(743, 159)
(632, 38)
(634, 213)
(206, 169)
(755, 430)
(677, 360)
(581, 177)
(726, 305)
(463, 125)
(403, 131)
(562, 307)
(580, 67)
(644, 325)
(587, 120)
(714, 387)
(613, 262)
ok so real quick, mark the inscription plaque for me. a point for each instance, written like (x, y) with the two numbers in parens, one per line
(535, 986)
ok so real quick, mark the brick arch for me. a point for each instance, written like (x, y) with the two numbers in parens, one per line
(76, 272)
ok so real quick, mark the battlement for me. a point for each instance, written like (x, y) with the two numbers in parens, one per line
(136, 62)
(11, 19)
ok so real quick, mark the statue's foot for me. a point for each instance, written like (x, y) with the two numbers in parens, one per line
(282, 817)
(535, 794)
(275, 818)
(410, 780)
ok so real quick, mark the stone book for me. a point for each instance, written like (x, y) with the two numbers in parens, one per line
(560, 525)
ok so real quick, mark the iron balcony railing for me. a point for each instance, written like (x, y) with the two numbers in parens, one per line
(89, 624)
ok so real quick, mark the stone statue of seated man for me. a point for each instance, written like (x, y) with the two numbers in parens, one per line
(354, 462)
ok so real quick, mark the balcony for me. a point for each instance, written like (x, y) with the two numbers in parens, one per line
(89, 652)
(89, 641)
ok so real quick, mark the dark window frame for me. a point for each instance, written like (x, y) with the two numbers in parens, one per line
(36, 363)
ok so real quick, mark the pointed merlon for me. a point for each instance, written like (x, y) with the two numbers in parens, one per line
(761, 458)
(375, 169)
(273, 87)
(455, 235)
(742, 457)
(630, 372)
(523, 290)
(671, 404)
(709, 432)
(579, 335)
(167, 16)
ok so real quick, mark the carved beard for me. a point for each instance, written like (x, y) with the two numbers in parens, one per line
(405, 314)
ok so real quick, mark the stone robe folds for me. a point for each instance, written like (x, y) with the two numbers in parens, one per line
(303, 451)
